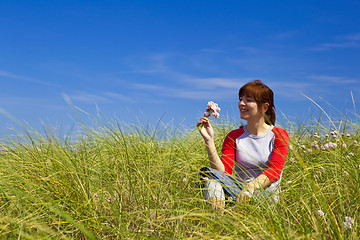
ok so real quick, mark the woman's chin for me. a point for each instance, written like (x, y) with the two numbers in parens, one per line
(243, 117)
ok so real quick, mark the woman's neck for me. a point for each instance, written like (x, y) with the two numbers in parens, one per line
(257, 128)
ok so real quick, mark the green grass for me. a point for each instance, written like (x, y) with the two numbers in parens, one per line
(117, 181)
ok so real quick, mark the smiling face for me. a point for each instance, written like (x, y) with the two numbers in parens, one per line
(256, 102)
(250, 110)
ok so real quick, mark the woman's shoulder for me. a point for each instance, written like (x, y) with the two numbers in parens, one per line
(279, 130)
(280, 133)
(236, 132)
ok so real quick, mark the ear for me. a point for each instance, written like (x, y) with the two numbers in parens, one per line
(265, 107)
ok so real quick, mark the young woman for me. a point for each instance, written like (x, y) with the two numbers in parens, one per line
(256, 153)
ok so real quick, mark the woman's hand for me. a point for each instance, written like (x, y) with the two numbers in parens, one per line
(205, 128)
(261, 182)
(246, 193)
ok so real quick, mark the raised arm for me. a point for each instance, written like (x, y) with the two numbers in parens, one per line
(207, 132)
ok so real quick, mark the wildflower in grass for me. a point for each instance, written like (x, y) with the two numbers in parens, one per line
(320, 213)
(348, 135)
(355, 142)
(184, 179)
(315, 146)
(351, 154)
(344, 145)
(330, 145)
(248, 194)
(326, 135)
(346, 173)
(290, 147)
(348, 222)
(302, 146)
(213, 109)
(322, 147)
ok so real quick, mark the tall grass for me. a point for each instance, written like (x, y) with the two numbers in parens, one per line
(118, 181)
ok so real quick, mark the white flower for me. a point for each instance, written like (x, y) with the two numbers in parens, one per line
(320, 213)
(247, 193)
(348, 222)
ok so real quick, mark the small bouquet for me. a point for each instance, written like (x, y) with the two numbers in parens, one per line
(212, 109)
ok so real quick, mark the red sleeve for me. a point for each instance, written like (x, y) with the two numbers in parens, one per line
(228, 150)
(278, 156)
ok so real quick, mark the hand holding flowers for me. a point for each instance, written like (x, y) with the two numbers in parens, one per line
(204, 125)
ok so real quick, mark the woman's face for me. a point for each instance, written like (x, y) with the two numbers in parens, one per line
(249, 109)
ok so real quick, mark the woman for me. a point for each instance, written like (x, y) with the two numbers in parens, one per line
(256, 152)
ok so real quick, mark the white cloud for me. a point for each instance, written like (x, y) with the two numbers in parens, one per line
(22, 78)
(213, 83)
(116, 96)
(211, 50)
(334, 79)
(88, 97)
(350, 37)
(345, 41)
(148, 87)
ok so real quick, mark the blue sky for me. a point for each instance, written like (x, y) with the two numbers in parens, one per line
(151, 59)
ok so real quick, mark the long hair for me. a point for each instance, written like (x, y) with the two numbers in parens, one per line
(261, 94)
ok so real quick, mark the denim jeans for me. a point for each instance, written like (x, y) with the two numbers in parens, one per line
(222, 185)
(219, 184)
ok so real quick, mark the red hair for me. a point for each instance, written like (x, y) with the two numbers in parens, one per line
(261, 94)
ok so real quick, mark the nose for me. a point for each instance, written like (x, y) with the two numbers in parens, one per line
(242, 103)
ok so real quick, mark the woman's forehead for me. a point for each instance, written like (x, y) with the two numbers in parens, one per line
(245, 96)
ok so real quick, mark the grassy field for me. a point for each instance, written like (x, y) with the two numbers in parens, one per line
(117, 181)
